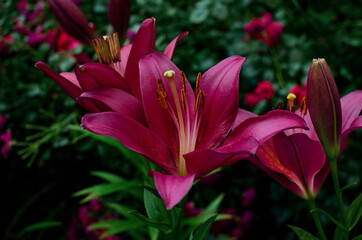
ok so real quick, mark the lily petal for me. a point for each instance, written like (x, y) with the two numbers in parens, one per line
(279, 178)
(69, 83)
(170, 49)
(351, 108)
(242, 116)
(94, 75)
(221, 86)
(264, 127)
(203, 161)
(172, 188)
(117, 100)
(128, 132)
(143, 44)
(125, 50)
(152, 68)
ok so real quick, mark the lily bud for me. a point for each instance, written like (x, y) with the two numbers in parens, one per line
(72, 19)
(119, 12)
(325, 107)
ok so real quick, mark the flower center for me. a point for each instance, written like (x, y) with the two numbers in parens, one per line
(108, 50)
(187, 123)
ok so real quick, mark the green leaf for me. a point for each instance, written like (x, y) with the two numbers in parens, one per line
(302, 234)
(114, 226)
(203, 230)
(152, 206)
(330, 217)
(349, 186)
(354, 212)
(159, 225)
(359, 237)
(339, 234)
(39, 226)
(106, 189)
(110, 177)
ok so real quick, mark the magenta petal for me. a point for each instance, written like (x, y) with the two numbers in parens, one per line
(152, 68)
(70, 86)
(242, 116)
(278, 177)
(170, 49)
(203, 161)
(94, 75)
(264, 127)
(125, 50)
(118, 100)
(172, 188)
(143, 44)
(310, 156)
(69, 83)
(132, 134)
(351, 108)
(221, 86)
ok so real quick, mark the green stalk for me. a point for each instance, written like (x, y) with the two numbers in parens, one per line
(278, 70)
(317, 222)
(337, 191)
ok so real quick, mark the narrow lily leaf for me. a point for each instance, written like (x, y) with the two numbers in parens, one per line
(108, 188)
(121, 209)
(330, 217)
(38, 226)
(302, 234)
(110, 177)
(204, 229)
(354, 212)
(349, 186)
(339, 234)
(114, 227)
(359, 237)
(159, 225)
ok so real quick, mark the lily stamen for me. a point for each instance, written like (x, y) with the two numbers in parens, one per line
(108, 50)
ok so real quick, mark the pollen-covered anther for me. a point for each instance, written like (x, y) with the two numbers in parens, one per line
(183, 99)
(201, 99)
(197, 88)
(303, 107)
(291, 98)
(161, 94)
(108, 49)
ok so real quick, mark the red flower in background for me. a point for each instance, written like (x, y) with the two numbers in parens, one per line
(265, 29)
(300, 92)
(65, 42)
(6, 138)
(264, 90)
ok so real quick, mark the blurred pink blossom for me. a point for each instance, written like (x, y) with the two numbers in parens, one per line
(265, 90)
(3, 120)
(6, 138)
(249, 197)
(65, 42)
(251, 100)
(300, 92)
(264, 29)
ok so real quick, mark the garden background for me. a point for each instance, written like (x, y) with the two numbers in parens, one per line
(50, 158)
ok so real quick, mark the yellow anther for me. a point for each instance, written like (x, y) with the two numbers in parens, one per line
(291, 96)
(197, 88)
(161, 94)
(201, 99)
(169, 74)
(183, 99)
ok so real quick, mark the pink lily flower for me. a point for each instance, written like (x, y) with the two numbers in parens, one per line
(118, 72)
(296, 158)
(188, 132)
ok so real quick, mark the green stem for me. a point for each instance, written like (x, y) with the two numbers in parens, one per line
(337, 191)
(278, 70)
(316, 220)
